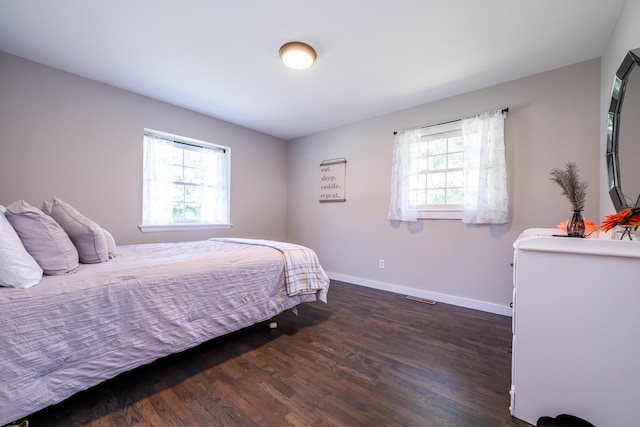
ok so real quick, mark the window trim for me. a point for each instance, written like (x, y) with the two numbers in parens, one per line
(188, 141)
(183, 227)
(192, 225)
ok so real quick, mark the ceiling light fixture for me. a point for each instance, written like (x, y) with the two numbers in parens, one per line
(297, 55)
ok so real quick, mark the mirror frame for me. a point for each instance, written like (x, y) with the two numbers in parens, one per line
(631, 60)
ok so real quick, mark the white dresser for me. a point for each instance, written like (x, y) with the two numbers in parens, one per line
(576, 330)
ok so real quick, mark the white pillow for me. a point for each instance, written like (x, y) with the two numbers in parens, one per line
(18, 269)
(86, 235)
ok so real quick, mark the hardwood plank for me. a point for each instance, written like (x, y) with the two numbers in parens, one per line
(366, 358)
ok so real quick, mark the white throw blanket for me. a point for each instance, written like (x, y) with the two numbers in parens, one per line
(303, 273)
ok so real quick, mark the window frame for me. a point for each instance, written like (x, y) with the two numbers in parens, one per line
(191, 225)
(441, 211)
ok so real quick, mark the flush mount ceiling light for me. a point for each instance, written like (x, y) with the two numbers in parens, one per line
(297, 55)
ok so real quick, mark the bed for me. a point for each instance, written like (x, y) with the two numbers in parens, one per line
(73, 331)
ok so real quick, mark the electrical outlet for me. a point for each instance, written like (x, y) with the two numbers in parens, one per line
(381, 263)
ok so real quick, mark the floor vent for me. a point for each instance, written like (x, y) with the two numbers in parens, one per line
(423, 300)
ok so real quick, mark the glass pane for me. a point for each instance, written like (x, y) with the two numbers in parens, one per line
(192, 175)
(423, 164)
(177, 173)
(456, 160)
(436, 197)
(437, 146)
(192, 158)
(455, 179)
(455, 144)
(421, 198)
(178, 211)
(455, 196)
(192, 194)
(192, 211)
(438, 162)
(178, 193)
(436, 180)
(177, 156)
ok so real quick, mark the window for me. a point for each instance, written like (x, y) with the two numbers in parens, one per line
(454, 170)
(185, 183)
(436, 164)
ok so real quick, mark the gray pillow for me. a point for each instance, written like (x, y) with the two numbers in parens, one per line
(111, 243)
(43, 238)
(86, 235)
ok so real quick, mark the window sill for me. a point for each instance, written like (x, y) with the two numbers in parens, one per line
(440, 214)
(182, 227)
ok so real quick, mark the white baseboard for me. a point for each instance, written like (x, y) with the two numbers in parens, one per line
(489, 307)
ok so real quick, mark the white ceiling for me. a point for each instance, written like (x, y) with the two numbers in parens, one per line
(220, 57)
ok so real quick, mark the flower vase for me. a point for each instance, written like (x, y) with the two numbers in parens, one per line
(626, 232)
(575, 225)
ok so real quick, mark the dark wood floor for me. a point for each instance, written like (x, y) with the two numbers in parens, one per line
(368, 358)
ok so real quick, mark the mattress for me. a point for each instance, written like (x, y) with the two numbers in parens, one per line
(72, 332)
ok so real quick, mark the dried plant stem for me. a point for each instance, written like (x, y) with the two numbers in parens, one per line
(573, 188)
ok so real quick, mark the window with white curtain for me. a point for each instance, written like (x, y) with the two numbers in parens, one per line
(185, 183)
(437, 158)
(456, 170)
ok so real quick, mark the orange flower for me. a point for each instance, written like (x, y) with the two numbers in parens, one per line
(615, 219)
(634, 219)
(626, 217)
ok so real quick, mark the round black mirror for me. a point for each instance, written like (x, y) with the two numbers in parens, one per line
(616, 136)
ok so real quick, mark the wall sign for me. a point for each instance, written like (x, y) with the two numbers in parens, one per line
(333, 180)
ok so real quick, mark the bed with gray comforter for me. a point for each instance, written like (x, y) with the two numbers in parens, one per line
(72, 332)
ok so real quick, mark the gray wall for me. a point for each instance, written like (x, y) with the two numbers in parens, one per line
(66, 136)
(553, 118)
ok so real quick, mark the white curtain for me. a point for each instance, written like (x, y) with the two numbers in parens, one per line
(485, 171)
(214, 186)
(400, 208)
(157, 191)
